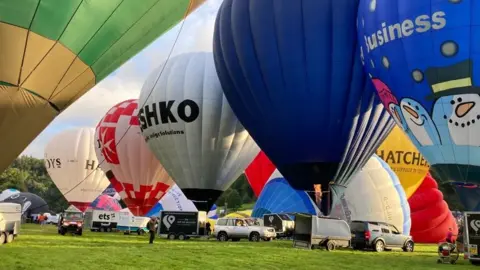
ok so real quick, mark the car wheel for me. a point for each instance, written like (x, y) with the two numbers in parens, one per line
(102, 229)
(379, 246)
(330, 246)
(2, 238)
(408, 246)
(181, 237)
(171, 236)
(254, 237)
(222, 237)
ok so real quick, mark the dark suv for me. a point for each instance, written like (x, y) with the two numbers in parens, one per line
(379, 236)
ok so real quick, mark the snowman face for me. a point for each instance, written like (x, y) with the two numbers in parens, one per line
(462, 113)
(417, 120)
(465, 110)
(413, 112)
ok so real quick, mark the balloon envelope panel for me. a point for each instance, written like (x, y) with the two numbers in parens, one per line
(374, 194)
(72, 164)
(298, 88)
(129, 164)
(404, 159)
(190, 127)
(107, 203)
(31, 203)
(258, 172)
(431, 217)
(469, 195)
(53, 52)
(423, 58)
(279, 197)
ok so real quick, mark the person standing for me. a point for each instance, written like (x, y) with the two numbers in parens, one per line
(208, 228)
(40, 219)
(152, 228)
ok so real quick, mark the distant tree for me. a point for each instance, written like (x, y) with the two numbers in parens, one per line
(234, 200)
(28, 174)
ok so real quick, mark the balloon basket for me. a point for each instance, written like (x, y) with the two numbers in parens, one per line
(447, 253)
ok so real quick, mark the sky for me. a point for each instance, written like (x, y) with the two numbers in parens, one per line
(126, 82)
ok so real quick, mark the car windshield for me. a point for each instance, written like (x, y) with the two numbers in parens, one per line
(73, 216)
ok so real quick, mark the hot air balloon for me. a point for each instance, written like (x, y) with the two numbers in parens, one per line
(404, 159)
(374, 194)
(130, 166)
(31, 204)
(106, 203)
(258, 172)
(72, 164)
(430, 215)
(469, 195)
(54, 51)
(298, 88)
(421, 56)
(279, 197)
(191, 129)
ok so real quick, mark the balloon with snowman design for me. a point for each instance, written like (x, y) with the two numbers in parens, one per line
(423, 58)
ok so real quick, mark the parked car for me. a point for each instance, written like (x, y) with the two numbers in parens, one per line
(52, 218)
(379, 236)
(238, 228)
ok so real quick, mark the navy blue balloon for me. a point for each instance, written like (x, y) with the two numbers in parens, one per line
(292, 74)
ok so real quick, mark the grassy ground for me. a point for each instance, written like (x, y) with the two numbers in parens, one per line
(37, 249)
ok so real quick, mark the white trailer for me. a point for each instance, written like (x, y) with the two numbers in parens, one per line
(10, 220)
(313, 232)
(129, 223)
(101, 221)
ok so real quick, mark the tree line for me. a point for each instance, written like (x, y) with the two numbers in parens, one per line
(29, 174)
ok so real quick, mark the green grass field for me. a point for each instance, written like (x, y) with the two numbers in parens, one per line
(45, 249)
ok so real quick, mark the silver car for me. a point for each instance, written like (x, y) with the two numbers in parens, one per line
(238, 228)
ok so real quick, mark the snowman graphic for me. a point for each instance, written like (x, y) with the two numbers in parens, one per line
(457, 102)
(389, 102)
(419, 123)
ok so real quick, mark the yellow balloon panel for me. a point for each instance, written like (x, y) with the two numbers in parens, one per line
(404, 159)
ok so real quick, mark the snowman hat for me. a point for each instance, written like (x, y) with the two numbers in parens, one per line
(451, 80)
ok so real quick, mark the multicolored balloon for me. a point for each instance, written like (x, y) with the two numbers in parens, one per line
(299, 89)
(72, 164)
(130, 166)
(422, 57)
(404, 159)
(106, 203)
(52, 52)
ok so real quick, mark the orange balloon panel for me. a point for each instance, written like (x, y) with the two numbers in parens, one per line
(404, 159)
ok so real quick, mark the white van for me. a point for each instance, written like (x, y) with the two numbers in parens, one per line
(101, 221)
(10, 220)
